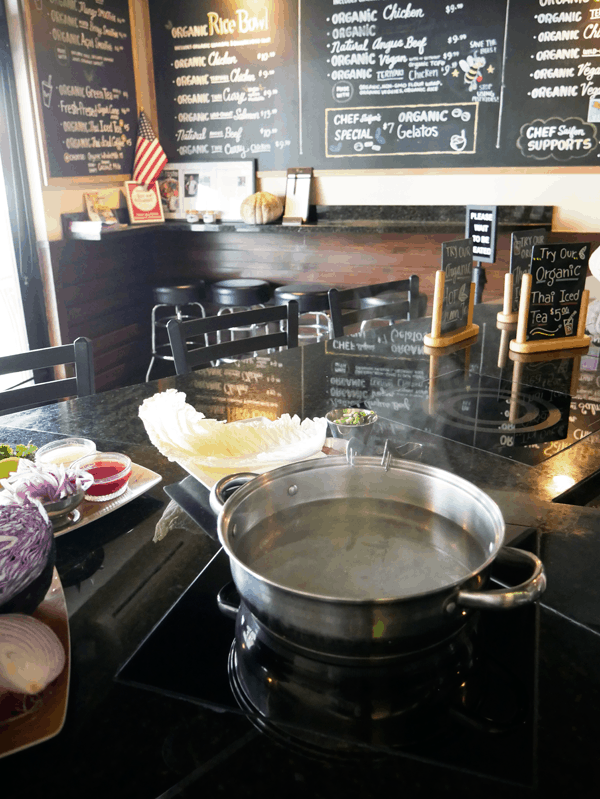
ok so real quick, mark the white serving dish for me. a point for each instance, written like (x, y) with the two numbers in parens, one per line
(141, 480)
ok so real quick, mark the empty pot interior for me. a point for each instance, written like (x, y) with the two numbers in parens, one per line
(360, 532)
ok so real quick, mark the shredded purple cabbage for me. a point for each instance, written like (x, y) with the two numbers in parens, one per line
(25, 541)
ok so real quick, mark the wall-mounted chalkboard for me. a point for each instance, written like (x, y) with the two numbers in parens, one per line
(227, 80)
(354, 84)
(83, 71)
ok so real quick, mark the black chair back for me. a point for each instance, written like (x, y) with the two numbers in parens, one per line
(188, 357)
(82, 384)
(410, 307)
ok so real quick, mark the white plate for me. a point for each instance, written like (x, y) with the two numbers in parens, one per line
(208, 477)
(44, 716)
(141, 480)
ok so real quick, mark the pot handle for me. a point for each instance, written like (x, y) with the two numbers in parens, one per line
(507, 598)
(229, 483)
(228, 600)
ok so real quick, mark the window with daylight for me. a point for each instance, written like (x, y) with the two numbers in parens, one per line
(13, 335)
(23, 322)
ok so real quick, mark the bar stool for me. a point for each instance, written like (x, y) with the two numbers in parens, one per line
(182, 302)
(239, 294)
(392, 297)
(313, 306)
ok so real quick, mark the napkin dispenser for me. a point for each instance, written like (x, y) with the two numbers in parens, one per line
(297, 194)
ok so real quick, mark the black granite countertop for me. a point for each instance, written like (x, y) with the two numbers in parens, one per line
(124, 741)
(344, 219)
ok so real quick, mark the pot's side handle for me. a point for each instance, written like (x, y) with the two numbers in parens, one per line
(229, 483)
(228, 600)
(507, 598)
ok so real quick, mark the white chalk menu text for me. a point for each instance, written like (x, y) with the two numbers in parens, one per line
(84, 66)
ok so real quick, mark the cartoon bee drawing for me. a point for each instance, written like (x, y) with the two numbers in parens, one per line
(472, 66)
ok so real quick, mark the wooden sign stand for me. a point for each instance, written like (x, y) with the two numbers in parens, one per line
(438, 339)
(506, 316)
(564, 343)
(506, 328)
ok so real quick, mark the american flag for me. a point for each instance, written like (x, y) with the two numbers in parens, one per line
(149, 157)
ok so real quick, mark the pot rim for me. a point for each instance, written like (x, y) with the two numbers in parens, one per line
(262, 480)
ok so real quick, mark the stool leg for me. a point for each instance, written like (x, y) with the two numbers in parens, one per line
(203, 315)
(232, 331)
(156, 321)
(150, 369)
(182, 316)
(313, 327)
(153, 334)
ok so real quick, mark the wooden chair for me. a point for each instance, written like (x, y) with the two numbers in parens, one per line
(188, 357)
(410, 306)
(49, 390)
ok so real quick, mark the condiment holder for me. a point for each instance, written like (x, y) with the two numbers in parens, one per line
(359, 429)
(65, 451)
(111, 472)
(64, 511)
(345, 421)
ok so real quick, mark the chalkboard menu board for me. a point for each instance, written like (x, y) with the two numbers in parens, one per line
(521, 250)
(558, 279)
(346, 84)
(457, 263)
(84, 78)
(227, 80)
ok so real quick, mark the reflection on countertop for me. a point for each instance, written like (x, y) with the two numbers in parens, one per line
(119, 583)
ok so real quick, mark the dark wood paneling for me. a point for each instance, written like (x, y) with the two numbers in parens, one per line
(357, 258)
(103, 291)
(104, 288)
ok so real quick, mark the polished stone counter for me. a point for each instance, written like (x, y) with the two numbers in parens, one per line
(122, 741)
(346, 219)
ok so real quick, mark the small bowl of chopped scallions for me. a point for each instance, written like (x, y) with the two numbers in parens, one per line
(346, 422)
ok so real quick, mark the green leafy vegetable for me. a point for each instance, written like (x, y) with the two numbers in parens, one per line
(354, 416)
(26, 451)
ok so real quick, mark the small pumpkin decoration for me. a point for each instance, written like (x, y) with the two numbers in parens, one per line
(261, 208)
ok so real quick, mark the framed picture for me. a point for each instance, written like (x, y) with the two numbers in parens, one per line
(98, 209)
(217, 186)
(143, 202)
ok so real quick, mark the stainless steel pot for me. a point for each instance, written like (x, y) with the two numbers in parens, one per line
(365, 557)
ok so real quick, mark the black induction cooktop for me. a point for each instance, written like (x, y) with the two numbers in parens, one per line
(526, 411)
(487, 725)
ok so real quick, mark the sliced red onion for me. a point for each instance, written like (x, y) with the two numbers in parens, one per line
(31, 654)
(25, 541)
(39, 482)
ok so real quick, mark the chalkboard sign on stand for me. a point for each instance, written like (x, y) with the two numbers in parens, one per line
(481, 226)
(82, 61)
(454, 296)
(553, 305)
(521, 250)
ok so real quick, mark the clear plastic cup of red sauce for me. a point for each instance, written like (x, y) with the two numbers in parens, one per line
(111, 472)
